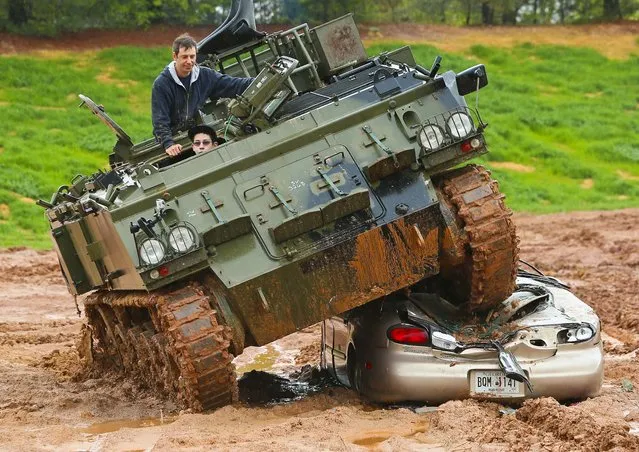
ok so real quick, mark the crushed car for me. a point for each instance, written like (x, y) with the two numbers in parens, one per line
(415, 346)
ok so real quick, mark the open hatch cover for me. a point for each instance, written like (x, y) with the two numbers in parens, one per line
(98, 110)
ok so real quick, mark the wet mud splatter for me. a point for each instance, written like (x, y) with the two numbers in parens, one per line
(47, 403)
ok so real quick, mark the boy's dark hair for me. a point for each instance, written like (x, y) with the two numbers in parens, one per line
(183, 41)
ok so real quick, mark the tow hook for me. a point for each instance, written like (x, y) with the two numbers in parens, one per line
(508, 363)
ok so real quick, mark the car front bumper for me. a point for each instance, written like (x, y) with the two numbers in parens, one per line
(397, 375)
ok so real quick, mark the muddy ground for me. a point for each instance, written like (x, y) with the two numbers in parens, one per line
(44, 405)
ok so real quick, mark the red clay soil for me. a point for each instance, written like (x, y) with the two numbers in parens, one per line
(616, 40)
(46, 403)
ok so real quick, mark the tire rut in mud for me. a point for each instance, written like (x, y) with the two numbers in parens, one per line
(487, 274)
(171, 340)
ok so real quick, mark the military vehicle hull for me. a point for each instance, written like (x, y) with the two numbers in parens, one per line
(181, 338)
(334, 188)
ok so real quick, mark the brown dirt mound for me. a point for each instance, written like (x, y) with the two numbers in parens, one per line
(579, 429)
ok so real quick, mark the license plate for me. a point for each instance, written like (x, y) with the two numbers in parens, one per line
(494, 383)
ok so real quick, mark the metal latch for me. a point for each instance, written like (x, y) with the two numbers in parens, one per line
(378, 142)
(281, 199)
(211, 204)
(328, 180)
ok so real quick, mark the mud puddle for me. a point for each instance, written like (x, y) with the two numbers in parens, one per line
(269, 358)
(269, 375)
(263, 388)
(119, 424)
(372, 440)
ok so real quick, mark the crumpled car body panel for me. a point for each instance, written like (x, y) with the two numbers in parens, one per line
(533, 327)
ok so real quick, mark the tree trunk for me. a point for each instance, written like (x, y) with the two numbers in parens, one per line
(19, 12)
(487, 13)
(612, 9)
(509, 18)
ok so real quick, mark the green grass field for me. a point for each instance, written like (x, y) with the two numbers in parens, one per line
(563, 134)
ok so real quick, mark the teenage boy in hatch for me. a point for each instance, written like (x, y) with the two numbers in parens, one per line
(204, 138)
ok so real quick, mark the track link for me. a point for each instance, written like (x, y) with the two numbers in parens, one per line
(170, 339)
(486, 276)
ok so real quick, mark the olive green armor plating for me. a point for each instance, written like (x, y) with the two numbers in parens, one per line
(332, 189)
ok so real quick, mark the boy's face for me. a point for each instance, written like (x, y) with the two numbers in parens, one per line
(202, 143)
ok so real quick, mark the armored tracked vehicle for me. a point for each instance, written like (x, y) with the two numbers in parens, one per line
(339, 183)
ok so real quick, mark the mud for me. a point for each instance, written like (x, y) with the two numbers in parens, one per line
(46, 403)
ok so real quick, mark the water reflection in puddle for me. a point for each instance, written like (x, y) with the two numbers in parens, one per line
(269, 358)
(257, 358)
(374, 438)
(118, 424)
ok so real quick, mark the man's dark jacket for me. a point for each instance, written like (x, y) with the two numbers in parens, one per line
(173, 107)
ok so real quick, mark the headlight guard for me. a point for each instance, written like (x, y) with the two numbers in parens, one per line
(151, 251)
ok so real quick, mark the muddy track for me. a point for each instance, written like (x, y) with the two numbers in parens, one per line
(170, 341)
(47, 403)
(487, 274)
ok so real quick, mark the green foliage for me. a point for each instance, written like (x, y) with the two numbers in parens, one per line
(562, 135)
(50, 17)
(45, 139)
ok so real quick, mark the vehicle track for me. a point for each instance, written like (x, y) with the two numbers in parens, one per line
(486, 276)
(170, 339)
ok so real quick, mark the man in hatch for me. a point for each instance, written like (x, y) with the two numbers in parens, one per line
(182, 88)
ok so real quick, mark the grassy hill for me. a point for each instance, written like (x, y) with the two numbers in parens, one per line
(563, 134)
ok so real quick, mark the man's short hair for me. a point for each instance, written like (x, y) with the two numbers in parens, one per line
(183, 41)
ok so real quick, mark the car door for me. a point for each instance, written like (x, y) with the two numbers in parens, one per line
(335, 337)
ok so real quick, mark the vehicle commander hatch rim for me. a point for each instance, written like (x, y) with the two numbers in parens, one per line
(98, 110)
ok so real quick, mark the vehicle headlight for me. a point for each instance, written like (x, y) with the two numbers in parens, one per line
(151, 251)
(431, 137)
(574, 335)
(181, 239)
(460, 125)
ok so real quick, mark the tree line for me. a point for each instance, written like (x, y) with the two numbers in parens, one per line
(50, 17)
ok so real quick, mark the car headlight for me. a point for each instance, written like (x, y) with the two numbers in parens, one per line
(575, 335)
(181, 239)
(152, 251)
(431, 137)
(460, 125)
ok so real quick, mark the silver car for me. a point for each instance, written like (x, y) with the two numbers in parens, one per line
(541, 341)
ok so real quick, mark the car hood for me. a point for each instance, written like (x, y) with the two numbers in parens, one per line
(535, 303)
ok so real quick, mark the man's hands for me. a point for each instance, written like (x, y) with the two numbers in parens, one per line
(174, 150)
